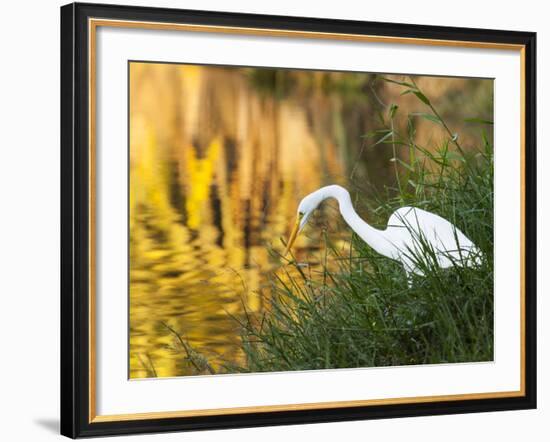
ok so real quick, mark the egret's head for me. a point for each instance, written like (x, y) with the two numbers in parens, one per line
(305, 209)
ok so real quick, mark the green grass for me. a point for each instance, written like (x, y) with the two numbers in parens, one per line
(359, 310)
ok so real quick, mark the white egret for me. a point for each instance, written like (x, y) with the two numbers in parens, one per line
(411, 233)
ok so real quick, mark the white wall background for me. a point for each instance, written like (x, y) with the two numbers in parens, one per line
(29, 221)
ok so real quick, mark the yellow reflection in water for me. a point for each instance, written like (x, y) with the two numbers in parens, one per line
(219, 158)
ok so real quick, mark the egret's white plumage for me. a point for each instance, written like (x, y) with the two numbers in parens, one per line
(411, 236)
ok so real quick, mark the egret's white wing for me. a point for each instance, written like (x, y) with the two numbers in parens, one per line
(417, 228)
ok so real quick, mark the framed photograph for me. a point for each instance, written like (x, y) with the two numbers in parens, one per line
(274, 220)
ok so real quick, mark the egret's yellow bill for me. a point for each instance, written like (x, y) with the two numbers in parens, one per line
(293, 235)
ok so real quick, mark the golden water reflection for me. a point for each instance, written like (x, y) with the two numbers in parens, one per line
(219, 158)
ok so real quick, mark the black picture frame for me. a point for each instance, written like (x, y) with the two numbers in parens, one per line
(75, 220)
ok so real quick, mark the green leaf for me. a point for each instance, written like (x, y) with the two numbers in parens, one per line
(396, 142)
(400, 83)
(374, 133)
(429, 117)
(402, 163)
(385, 137)
(410, 128)
(421, 97)
(405, 165)
(408, 91)
(393, 110)
(450, 155)
(478, 121)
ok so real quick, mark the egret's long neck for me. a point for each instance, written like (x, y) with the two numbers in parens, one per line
(372, 236)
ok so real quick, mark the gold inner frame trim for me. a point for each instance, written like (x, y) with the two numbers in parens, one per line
(93, 24)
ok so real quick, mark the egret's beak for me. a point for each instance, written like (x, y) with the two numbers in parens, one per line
(294, 233)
